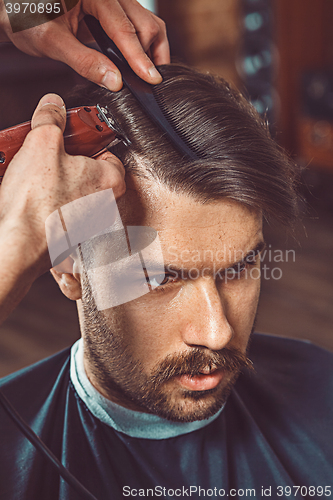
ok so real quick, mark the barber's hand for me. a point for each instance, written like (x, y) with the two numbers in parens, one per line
(42, 177)
(138, 33)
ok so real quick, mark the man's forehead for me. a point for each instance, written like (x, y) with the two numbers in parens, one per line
(151, 203)
(189, 230)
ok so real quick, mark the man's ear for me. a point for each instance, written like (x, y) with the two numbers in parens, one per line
(69, 281)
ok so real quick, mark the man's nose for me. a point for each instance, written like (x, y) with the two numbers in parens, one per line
(207, 324)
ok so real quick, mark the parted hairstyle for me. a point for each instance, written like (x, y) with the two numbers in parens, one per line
(238, 158)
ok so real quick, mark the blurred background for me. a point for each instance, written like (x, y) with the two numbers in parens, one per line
(280, 54)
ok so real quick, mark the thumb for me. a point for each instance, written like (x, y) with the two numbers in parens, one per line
(50, 110)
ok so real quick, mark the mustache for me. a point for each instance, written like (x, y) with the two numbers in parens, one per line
(194, 362)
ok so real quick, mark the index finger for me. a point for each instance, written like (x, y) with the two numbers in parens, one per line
(160, 49)
(151, 32)
(50, 110)
(122, 31)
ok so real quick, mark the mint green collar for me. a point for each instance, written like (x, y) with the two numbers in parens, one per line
(132, 423)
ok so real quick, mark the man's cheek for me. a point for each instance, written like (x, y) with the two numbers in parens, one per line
(242, 306)
(142, 329)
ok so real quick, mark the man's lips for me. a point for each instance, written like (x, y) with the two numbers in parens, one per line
(202, 382)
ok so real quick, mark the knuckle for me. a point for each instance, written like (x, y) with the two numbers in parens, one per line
(127, 27)
(152, 34)
(115, 177)
(101, 175)
(87, 65)
(160, 23)
(155, 27)
(163, 27)
(151, 30)
(116, 181)
(49, 134)
(121, 187)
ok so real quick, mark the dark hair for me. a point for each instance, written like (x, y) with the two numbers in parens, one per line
(238, 158)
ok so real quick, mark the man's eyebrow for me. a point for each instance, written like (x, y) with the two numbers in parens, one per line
(260, 246)
(252, 253)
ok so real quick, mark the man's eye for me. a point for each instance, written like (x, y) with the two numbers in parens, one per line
(160, 280)
(237, 270)
(251, 259)
(241, 267)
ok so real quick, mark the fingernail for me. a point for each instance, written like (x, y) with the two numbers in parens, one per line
(154, 74)
(111, 80)
(54, 99)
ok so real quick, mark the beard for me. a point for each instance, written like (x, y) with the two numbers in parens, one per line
(124, 381)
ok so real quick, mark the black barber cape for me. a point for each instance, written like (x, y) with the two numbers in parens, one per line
(273, 437)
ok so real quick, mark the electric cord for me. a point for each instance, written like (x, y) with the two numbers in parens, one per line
(44, 450)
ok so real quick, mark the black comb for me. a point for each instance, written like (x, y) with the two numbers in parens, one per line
(141, 90)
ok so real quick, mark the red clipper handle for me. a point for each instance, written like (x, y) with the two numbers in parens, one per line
(85, 134)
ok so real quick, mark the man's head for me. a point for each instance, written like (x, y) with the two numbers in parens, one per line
(177, 350)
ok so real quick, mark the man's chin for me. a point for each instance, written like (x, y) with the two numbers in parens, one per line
(190, 406)
(190, 409)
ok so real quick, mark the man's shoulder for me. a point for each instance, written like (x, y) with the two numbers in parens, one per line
(271, 352)
(32, 385)
(281, 413)
(47, 366)
(289, 373)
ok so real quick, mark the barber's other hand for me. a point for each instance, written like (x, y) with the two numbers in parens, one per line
(138, 33)
(42, 177)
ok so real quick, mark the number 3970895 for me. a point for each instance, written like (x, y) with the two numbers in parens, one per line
(33, 8)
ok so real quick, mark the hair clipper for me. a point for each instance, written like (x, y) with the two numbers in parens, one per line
(89, 130)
